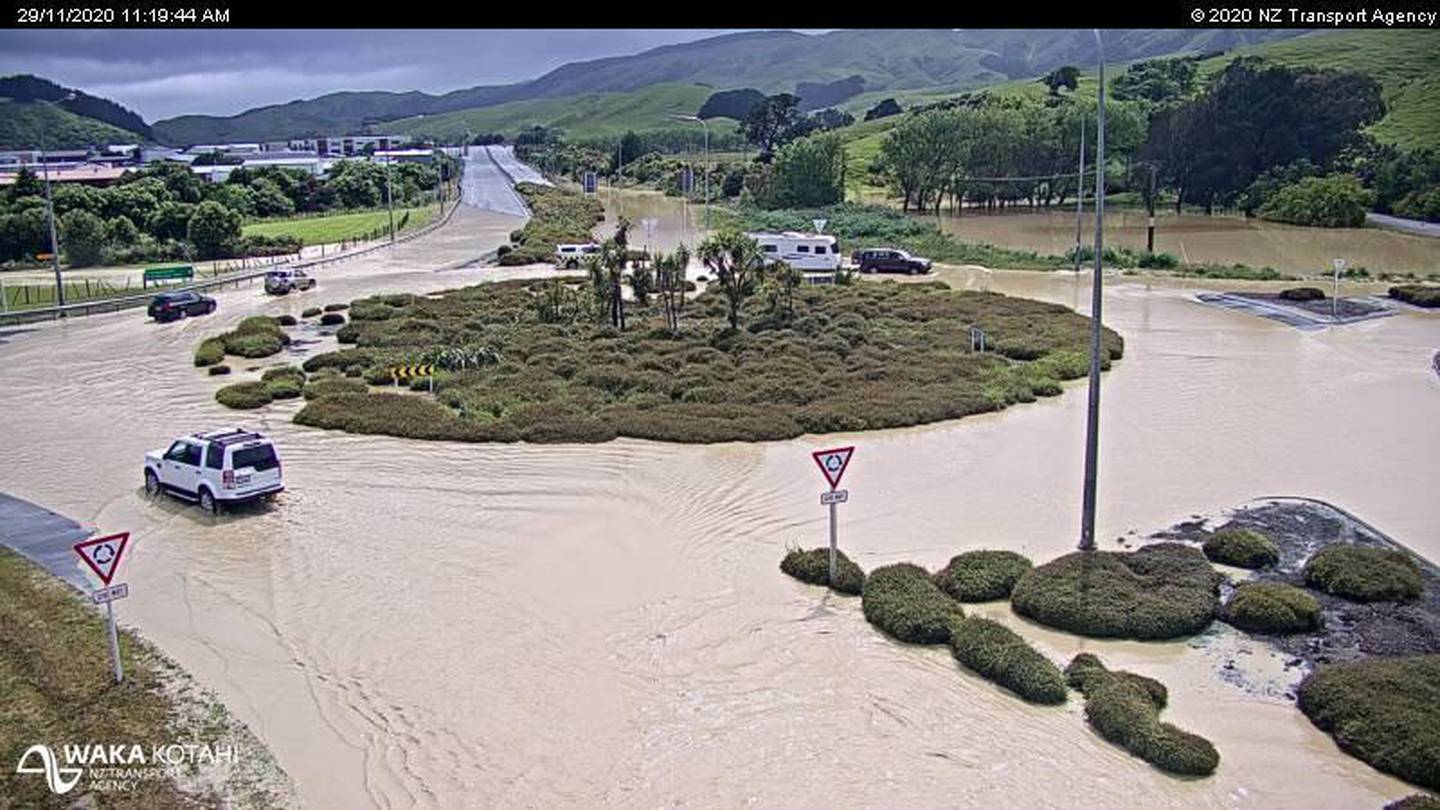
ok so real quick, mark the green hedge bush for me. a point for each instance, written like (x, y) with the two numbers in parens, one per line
(209, 352)
(336, 307)
(343, 359)
(1335, 201)
(330, 386)
(286, 320)
(1161, 591)
(310, 312)
(998, 654)
(1272, 607)
(813, 566)
(332, 319)
(1126, 711)
(980, 576)
(901, 600)
(1364, 573)
(244, 396)
(1243, 548)
(1302, 294)
(1415, 801)
(1383, 711)
(285, 387)
(216, 371)
(276, 372)
(1420, 295)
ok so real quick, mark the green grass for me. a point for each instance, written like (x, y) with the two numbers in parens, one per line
(889, 355)
(331, 228)
(1243, 548)
(1272, 607)
(980, 576)
(1363, 573)
(996, 653)
(813, 566)
(590, 115)
(55, 676)
(1166, 590)
(21, 125)
(1385, 712)
(245, 396)
(1124, 708)
(901, 600)
(558, 217)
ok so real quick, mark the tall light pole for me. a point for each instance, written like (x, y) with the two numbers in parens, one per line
(390, 198)
(1092, 416)
(706, 125)
(50, 204)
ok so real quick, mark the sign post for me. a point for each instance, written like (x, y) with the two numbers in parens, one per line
(1335, 296)
(103, 556)
(832, 464)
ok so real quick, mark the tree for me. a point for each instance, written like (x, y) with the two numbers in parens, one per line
(808, 173)
(734, 259)
(884, 109)
(780, 281)
(214, 230)
(269, 200)
(1337, 201)
(121, 231)
(771, 124)
(631, 147)
(82, 234)
(1158, 81)
(830, 118)
(730, 104)
(1067, 77)
(27, 184)
(170, 220)
(670, 282)
(23, 234)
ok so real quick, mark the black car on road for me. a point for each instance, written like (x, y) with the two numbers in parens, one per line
(889, 260)
(167, 307)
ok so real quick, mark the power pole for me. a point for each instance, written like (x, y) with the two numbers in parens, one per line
(1092, 416)
(390, 200)
(1150, 227)
(1079, 193)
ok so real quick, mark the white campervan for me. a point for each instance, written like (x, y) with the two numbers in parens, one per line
(802, 251)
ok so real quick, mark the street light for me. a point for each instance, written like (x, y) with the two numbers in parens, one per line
(50, 204)
(706, 125)
(1092, 418)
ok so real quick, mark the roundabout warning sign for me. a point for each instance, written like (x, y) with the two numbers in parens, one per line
(832, 463)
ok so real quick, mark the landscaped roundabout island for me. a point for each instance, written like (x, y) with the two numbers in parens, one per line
(529, 361)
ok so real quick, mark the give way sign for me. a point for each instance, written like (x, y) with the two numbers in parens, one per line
(103, 554)
(833, 463)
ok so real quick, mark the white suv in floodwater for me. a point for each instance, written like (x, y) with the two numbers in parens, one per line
(215, 469)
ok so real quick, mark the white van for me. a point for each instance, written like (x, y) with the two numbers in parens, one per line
(802, 251)
(569, 257)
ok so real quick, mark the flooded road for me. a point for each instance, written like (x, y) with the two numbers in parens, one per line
(434, 624)
(1198, 238)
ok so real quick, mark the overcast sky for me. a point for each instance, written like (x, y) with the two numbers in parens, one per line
(160, 74)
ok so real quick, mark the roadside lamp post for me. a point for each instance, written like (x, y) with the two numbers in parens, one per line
(1335, 295)
(1092, 417)
(50, 204)
(706, 124)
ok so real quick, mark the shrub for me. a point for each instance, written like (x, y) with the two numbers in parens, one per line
(1337, 201)
(1124, 709)
(253, 344)
(998, 654)
(244, 396)
(278, 372)
(1272, 607)
(1302, 294)
(813, 566)
(286, 320)
(901, 600)
(343, 359)
(1244, 548)
(980, 576)
(1364, 573)
(1384, 711)
(216, 371)
(336, 307)
(1160, 591)
(285, 387)
(1415, 801)
(330, 386)
(1419, 295)
(310, 312)
(378, 375)
(209, 352)
(332, 319)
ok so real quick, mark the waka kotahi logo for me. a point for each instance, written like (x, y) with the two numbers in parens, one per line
(117, 768)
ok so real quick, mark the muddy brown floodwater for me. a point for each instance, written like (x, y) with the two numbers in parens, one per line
(454, 625)
(1198, 238)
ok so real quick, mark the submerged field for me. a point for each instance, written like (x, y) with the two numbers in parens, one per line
(846, 358)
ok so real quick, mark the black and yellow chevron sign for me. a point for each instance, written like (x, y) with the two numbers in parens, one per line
(406, 372)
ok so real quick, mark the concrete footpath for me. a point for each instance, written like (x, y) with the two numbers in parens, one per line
(44, 538)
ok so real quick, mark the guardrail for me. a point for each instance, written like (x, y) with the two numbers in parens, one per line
(120, 302)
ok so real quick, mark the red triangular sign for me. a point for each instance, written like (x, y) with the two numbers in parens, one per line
(833, 463)
(103, 554)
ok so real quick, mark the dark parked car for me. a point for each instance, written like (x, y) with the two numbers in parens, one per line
(167, 307)
(889, 260)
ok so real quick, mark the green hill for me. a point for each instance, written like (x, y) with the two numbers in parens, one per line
(772, 61)
(21, 123)
(584, 116)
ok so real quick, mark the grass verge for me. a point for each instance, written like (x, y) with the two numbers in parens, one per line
(557, 217)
